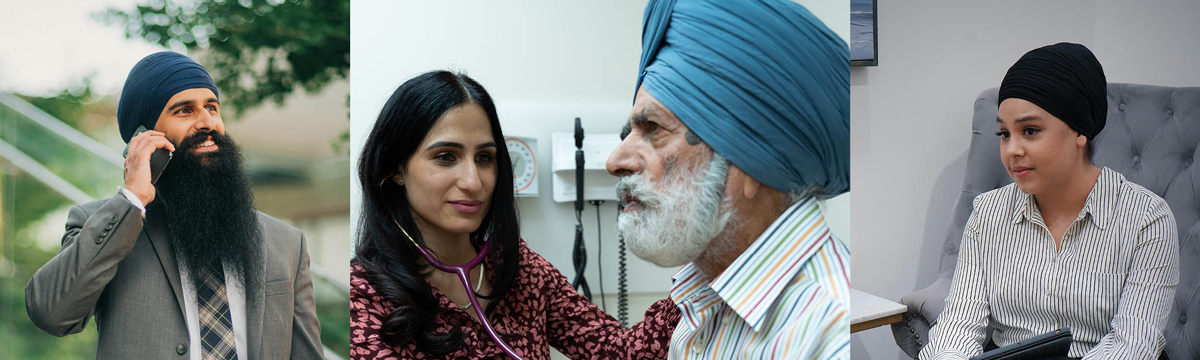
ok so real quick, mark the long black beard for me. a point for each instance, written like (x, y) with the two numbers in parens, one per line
(209, 211)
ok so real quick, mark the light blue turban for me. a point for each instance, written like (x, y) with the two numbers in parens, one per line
(763, 82)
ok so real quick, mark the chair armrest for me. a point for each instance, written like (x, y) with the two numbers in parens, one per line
(924, 305)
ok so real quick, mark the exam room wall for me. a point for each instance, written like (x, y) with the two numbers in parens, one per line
(544, 62)
(911, 114)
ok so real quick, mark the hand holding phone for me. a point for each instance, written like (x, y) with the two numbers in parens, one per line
(146, 156)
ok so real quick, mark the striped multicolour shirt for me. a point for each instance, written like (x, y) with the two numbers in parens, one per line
(785, 297)
(1111, 282)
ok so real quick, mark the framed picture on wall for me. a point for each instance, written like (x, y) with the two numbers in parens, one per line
(863, 33)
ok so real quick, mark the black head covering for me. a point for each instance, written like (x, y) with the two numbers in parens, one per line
(1064, 79)
(151, 83)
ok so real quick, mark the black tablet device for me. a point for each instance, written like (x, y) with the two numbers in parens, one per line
(1054, 343)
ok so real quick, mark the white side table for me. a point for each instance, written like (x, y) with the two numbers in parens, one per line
(869, 311)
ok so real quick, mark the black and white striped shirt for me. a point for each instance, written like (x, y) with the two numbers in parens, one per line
(1111, 283)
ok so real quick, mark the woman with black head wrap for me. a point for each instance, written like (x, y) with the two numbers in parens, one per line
(1068, 244)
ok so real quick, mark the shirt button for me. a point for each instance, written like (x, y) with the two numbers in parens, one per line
(181, 349)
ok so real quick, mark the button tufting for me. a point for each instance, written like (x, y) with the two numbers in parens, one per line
(1121, 106)
(1169, 112)
(1183, 318)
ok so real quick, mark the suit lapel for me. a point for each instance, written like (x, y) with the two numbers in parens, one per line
(255, 310)
(156, 230)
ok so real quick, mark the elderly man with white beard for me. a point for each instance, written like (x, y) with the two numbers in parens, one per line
(739, 129)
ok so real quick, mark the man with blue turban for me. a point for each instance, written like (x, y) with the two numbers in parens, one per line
(740, 126)
(181, 266)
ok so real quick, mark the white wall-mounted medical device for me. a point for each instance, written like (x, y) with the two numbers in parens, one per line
(598, 184)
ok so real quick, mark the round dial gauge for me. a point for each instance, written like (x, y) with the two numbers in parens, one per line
(523, 162)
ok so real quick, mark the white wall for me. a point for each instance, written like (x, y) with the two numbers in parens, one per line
(911, 115)
(544, 62)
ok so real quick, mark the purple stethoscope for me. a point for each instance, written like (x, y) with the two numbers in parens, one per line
(463, 272)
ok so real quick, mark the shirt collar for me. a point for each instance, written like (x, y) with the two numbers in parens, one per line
(1102, 199)
(1023, 208)
(687, 282)
(1099, 202)
(755, 279)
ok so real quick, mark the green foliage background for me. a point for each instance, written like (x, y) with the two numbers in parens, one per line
(257, 50)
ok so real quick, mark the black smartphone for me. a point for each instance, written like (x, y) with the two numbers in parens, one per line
(158, 159)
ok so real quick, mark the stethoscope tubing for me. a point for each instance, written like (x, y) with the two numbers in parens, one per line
(463, 271)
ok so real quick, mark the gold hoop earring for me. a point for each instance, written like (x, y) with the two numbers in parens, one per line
(385, 179)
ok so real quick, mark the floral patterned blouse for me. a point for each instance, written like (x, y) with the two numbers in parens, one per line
(540, 310)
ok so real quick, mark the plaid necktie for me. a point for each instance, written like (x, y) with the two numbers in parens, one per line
(216, 325)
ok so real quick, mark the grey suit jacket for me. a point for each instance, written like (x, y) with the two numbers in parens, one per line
(121, 268)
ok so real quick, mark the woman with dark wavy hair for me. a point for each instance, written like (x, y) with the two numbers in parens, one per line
(436, 175)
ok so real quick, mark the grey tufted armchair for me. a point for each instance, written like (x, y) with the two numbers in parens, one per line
(1151, 137)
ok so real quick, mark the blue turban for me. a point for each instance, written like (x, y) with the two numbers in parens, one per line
(764, 83)
(151, 83)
